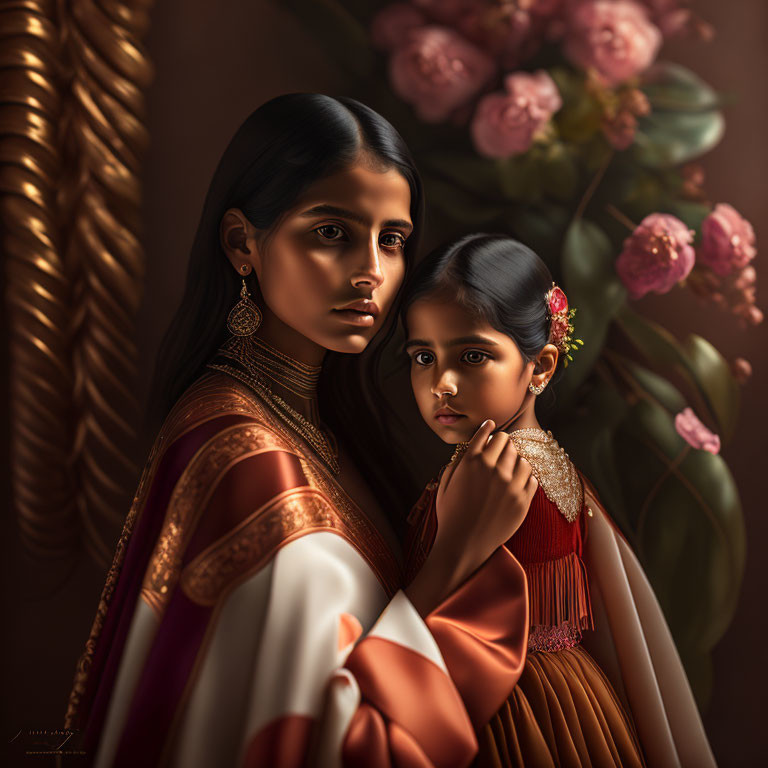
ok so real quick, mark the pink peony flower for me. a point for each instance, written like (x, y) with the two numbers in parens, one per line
(656, 255)
(695, 433)
(613, 37)
(391, 26)
(727, 240)
(741, 369)
(438, 71)
(505, 123)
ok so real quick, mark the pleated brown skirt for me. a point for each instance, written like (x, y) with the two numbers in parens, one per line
(563, 712)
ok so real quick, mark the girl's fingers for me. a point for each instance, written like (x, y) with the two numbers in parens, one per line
(508, 459)
(495, 447)
(480, 438)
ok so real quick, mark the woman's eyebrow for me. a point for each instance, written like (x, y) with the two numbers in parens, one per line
(345, 213)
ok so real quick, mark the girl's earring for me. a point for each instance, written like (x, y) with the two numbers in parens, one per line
(536, 390)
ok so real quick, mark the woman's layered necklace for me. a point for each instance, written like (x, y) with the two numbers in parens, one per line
(258, 364)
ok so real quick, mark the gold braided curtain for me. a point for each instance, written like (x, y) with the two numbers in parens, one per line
(72, 81)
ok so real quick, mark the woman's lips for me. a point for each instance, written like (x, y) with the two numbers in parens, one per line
(355, 317)
(362, 312)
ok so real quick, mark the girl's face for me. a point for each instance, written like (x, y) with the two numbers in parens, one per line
(331, 268)
(463, 371)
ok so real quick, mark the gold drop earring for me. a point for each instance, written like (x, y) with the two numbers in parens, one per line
(536, 390)
(245, 317)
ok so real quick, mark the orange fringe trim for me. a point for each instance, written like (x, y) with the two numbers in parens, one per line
(558, 592)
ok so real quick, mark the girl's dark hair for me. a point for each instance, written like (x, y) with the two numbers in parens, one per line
(280, 150)
(499, 278)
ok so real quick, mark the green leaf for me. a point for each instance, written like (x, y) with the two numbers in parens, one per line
(684, 122)
(661, 390)
(712, 372)
(671, 87)
(671, 138)
(696, 361)
(594, 289)
(685, 511)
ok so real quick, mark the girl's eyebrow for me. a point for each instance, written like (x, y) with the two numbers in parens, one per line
(417, 343)
(453, 342)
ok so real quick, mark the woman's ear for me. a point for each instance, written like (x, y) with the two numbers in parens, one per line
(546, 363)
(238, 239)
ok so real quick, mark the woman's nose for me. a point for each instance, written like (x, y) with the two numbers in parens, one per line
(369, 271)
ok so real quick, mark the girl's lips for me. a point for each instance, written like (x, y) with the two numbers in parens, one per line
(449, 419)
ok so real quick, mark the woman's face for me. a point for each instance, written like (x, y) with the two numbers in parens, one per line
(331, 268)
(463, 371)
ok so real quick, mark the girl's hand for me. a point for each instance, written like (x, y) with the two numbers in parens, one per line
(481, 502)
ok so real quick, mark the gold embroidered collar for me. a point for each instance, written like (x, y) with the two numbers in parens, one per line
(553, 469)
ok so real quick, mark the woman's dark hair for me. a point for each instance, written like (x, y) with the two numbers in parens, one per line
(494, 276)
(281, 149)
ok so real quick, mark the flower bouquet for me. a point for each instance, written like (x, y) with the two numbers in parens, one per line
(554, 121)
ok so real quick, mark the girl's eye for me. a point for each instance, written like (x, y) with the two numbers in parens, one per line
(330, 232)
(423, 358)
(475, 357)
(392, 240)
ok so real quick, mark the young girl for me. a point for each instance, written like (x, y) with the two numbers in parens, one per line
(487, 330)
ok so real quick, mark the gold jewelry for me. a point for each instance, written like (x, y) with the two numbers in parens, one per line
(297, 377)
(322, 442)
(537, 390)
(460, 450)
(254, 359)
(245, 317)
(244, 269)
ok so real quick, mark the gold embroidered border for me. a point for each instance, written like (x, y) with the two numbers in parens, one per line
(555, 472)
(191, 494)
(246, 548)
(208, 398)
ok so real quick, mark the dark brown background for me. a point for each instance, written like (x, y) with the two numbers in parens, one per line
(216, 62)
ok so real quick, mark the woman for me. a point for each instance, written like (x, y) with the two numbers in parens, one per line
(487, 331)
(253, 613)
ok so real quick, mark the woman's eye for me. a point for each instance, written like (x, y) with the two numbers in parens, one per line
(392, 240)
(424, 358)
(475, 357)
(330, 232)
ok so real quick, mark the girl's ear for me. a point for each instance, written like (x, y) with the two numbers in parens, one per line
(545, 365)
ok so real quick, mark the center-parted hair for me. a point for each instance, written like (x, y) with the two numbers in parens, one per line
(494, 276)
(279, 151)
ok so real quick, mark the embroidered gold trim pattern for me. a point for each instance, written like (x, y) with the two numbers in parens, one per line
(211, 396)
(555, 472)
(208, 398)
(367, 539)
(190, 495)
(244, 549)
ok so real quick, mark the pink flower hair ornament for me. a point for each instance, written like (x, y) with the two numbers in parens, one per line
(560, 325)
